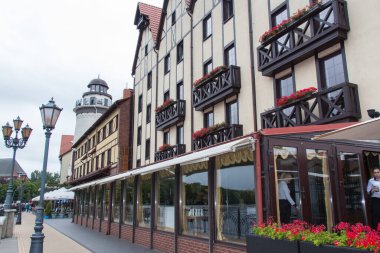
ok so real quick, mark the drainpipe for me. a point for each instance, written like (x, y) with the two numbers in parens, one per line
(253, 81)
(259, 193)
(155, 130)
(191, 72)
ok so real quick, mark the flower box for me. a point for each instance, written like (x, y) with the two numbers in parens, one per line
(262, 244)
(300, 94)
(166, 103)
(308, 247)
(210, 75)
(207, 130)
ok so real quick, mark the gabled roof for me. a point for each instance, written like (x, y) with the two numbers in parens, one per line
(66, 143)
(6, 167)
(146, 16)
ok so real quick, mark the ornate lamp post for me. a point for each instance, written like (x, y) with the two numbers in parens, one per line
(49, 113)
(15, 143)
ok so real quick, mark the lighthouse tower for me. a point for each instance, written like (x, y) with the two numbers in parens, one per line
(91, 106)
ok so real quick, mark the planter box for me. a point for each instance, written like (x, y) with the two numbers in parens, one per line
(308, 247)
(262, 244)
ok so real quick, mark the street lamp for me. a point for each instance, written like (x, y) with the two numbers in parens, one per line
(49, 114)
(18, 220)
(15, 143)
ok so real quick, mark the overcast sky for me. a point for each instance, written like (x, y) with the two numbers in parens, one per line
(51, 48)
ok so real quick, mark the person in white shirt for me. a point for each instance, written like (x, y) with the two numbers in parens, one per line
(373, 187)
(285, 200)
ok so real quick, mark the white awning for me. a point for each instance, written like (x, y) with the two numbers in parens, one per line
(194, 157)
(364, 131)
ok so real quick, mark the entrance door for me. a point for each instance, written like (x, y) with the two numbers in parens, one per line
(303, 170)
(352, 201)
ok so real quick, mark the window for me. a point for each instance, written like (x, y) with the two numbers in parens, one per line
(148, 113)
(232, 113)
(106, 203)
(234, 195)
(229, 55)
(180, 52)
(139, 133)
(116, 198)
(146, 50)
(140, 103)
(165, 200)
(284, 86)
(180, 95)
(167, 64)
(180, 135)
(207, 67)
(277, 17)
(138, 163)
(103, 160)
(92, 100)
(194, 192)
(149, 81)
(99, 201)
(110, 127)
(147, 149)
(109, 157)
(173, 18)
(97, 163)
(144, 201)
(166, 137)
(116, 122)
(104, 132)
(128, 200)
(99, 136)
(332, 70)
(228, 9)
(166, 95)
(207, 27)
(92, 202)
(208, 119)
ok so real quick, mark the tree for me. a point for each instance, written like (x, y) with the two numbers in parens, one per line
(52, 179)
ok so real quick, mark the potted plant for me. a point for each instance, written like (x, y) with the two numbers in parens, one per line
(48, 210)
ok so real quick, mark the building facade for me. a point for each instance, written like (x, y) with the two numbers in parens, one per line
(219, 125)
(65, 157)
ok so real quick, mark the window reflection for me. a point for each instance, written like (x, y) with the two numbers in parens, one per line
(144, 201)
(128, 200)
(235, 208)
(194, 196)
(92, 202)
(106, 203)
(165, 200)
(99, 200)
(116, 201)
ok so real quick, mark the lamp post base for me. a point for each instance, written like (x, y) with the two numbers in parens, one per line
(37, 244)
(10, 219)
(18, 220)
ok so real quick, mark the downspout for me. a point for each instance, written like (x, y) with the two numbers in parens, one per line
(191, 72)
(155, 130)
(259, 192)
(254, 108)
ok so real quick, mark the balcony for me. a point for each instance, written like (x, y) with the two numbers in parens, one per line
(321, 27)
(171, 115)
(223, 134)
(339, 103)
(217, 88)
(170, 152)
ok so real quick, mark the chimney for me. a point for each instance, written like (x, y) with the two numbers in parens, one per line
(127, 93)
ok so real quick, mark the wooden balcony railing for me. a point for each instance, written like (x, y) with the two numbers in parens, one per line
(220, 135)
(216, 89)
(339, 103)
(170, 152)
(320, 28)
(171, 115)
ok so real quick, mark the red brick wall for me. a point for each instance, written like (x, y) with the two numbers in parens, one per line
(114, 229)
(192, 245)
(126, 232)
(163, 241)
(222, 248)
(104, 226)
(96, 225)
(142, 236)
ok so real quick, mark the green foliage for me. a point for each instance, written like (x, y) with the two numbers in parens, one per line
(48, 208)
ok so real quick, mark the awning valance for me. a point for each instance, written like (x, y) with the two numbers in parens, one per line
(194, 157)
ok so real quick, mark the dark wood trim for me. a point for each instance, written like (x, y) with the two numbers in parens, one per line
(211, 200)
(153, 206)
(177, 206)
(136, 184)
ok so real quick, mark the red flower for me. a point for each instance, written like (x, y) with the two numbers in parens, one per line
(164, 105)
(164, 147)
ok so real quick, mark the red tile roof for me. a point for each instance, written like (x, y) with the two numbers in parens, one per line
(66, 144)
(154, 15)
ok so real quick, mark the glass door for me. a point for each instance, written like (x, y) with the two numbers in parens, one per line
(351, 189)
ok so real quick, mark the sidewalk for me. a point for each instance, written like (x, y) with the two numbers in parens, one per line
(62, 236)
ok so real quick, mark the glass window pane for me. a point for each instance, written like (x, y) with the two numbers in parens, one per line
(144, 201)
(128, 200)
(334, 71)
(287, 187)
(92, 202)
(107, 195)
(194, 197)
(319, 187)
(165, 200)
(235, 208)
(232, 110)
(116, 201)
(99, 201)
